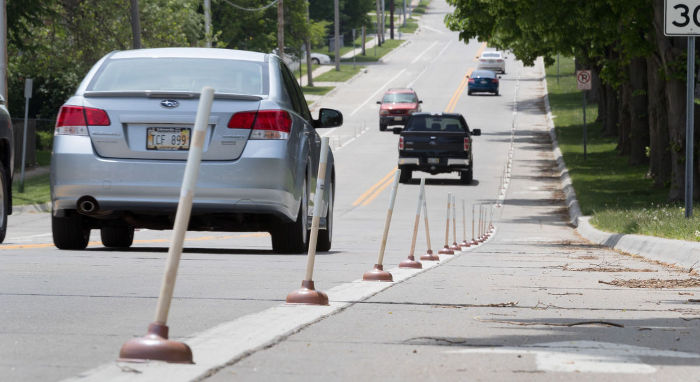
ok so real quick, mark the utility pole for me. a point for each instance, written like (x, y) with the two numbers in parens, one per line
(280, 28)
(3, 50)
(337, 35)
(207, 22)
(307, 43)
(379, 24)
(135, 24)
(391, 18)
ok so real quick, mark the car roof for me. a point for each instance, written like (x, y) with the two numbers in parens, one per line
(212, 53)
(400, 90)
(427, 114)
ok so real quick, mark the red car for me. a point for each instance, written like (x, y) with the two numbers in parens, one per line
(396, 106)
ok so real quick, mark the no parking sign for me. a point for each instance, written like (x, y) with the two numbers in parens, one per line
(583, 79)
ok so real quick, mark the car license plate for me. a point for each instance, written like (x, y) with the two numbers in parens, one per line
(483, 81)
(433, 160)
(398, 118)
(168, 138)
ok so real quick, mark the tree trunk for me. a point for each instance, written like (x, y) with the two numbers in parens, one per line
(659, 154)
(602, 103)
(639, 117)
(611, 112)
(624, 123)
(671, 51)
(280, 28)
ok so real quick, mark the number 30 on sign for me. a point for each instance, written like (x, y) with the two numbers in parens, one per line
(682, 17)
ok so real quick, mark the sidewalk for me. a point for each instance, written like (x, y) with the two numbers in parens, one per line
(535, 302)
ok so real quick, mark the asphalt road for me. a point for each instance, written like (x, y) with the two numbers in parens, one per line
(67, 313)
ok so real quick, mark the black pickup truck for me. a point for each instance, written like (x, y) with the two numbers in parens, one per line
(436, 143)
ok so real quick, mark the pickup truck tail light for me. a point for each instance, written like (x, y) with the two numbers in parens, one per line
(401, 143)
(74, 120)
(467, 143)
(266, 124)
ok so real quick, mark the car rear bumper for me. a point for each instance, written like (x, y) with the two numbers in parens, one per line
(444, 165)
(482, 88)
(394, 120)
(251, 184)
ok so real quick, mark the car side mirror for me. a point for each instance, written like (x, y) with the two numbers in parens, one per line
(396, 130)
(379, 102)
(420, 101)
(476, 132)
(499, 77)
(329, 118)
(2, 100)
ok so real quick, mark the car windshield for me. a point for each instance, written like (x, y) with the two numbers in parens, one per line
(399, 98)
(483, 74)
(492, 55)
(434, 123)
(181, 75)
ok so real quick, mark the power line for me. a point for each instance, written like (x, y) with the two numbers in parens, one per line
(251, 9)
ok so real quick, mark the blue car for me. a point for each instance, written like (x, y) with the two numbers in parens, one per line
(483, 81)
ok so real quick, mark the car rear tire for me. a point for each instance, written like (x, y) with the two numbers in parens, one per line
(117, 236)
(325, 236)
(382, 127)
(405, 176)
(466, 177)
(4, 204)
(469, 92)
(70, 231)
(496, 93)
(293, 237)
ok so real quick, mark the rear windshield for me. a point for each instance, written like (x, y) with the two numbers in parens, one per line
(182, 75)
(400, 98)
(494, 55)
(483, 74)
(434, 123)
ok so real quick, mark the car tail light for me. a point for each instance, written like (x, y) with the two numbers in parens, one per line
(74, 120)
(471, 80)
(401, 143)
(494, 80)
(266, 124)
(467, 143)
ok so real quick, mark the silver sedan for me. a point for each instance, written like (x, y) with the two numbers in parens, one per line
(121, 143)
(492, 60)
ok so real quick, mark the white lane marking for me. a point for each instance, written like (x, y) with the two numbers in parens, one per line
(587, 356)
(377, 92)
(431, 29)
(424, 52)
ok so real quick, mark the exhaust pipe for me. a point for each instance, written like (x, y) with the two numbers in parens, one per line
(87, 205)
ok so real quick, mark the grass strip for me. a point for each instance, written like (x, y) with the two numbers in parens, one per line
(346, 72)
(619, 196)
(376, 52)
(317, 90)
(36, 190)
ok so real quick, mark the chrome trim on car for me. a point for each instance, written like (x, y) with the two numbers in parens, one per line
(458, 162)
(409, 161)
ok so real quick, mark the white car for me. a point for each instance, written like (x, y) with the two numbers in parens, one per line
(492, 60)
(320, 59)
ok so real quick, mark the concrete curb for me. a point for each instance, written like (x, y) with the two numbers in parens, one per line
(680, 253)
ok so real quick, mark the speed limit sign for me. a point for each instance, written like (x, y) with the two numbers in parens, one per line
(682, 17)
(583, 79)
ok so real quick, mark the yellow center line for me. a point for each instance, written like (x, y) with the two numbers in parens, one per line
(382, 182)
(143, 241)
(458, 93)
(377, 192)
